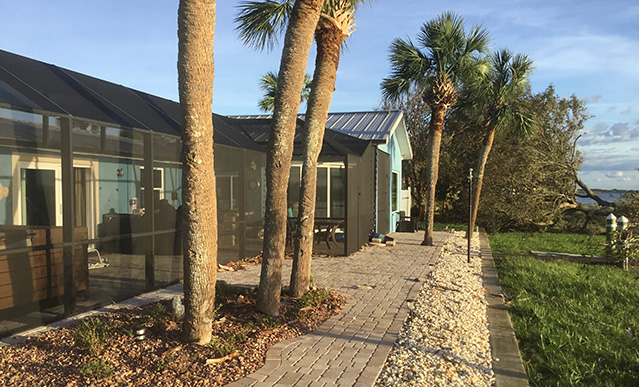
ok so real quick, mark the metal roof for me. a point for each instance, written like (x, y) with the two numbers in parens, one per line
(335, 143)
(376, 126)
(373, 126)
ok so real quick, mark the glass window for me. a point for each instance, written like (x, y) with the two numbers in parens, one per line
(338, 192)
(395, 192)
(227, 188)
(321, 193)
(294, 191)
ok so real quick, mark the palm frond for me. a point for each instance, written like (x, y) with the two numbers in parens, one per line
(260, 23)
(268, 84)
(408, 67)
(394, 88)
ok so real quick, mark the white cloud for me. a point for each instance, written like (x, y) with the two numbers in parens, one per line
(614, 175)
(602, 133)
(627, 111)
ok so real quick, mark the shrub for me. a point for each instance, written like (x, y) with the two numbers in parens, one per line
(222, 347)
(91, 335)
(162, 364)
(96, 369)
(313, 298)
(271, 322)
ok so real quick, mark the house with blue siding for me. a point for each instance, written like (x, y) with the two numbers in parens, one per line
(387, 131)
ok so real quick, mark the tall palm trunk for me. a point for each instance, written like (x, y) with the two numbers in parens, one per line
(297, 44)
(479, 177)
(196, 25)
(434, 142)
(329, 40)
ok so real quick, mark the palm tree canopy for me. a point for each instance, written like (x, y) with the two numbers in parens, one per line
(268, 84)
(260, 23)
(490, 98)
(448, 53)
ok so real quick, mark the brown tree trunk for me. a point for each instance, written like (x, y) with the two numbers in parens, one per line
(434, 142)
(328, 40)
(196, 25)
(297, 44)
(479, 178)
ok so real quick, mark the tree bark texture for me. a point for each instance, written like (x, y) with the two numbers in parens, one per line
(479, 178)
(196, 26)
(432, 170)
(329, 40)
(297, 44)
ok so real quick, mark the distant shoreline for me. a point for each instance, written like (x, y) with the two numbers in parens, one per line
(610, 195)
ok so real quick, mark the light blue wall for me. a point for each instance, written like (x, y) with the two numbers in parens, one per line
(392, 148)
(116, 192)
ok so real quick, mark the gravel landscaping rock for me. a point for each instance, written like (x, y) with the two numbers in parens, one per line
(445, 340)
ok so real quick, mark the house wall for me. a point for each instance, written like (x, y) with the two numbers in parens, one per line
(392, 148)
(6, 207)
(117, 191)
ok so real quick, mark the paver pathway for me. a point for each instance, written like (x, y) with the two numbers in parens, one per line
(351, 347)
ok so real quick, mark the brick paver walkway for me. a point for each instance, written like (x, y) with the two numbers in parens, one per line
(351, 347)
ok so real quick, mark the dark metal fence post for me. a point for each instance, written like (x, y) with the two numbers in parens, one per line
(149, 212)
(470, 209)
(68, 217)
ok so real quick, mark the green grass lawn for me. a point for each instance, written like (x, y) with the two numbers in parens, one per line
(577, 325)
(520, 243)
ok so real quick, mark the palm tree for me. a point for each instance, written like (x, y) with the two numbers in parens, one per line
(334, 26)
(449, 53)
(196, 30)
(302, 21)
(489, 101)
(268, 84)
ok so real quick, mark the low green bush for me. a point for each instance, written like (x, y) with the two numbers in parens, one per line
(313, 298)
(91, 335)
(96, 369)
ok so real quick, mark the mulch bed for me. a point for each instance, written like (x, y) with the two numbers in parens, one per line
(241, 338)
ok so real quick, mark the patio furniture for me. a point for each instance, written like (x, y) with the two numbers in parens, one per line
(325, 229)
(406, 224)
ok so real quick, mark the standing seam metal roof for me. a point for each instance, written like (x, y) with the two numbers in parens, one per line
(375, 126)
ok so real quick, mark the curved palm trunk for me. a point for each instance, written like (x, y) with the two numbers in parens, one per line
(479, 178)
(434, 142)
(196, 24)
(328, 41)
(297, 44)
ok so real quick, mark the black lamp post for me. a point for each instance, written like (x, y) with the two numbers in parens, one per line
(470, 209)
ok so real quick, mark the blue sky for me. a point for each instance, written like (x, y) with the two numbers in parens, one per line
(589, 48)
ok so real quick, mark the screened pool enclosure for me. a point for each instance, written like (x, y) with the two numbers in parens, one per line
(90, 191)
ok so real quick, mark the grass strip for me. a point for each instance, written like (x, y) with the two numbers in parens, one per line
(576, 324)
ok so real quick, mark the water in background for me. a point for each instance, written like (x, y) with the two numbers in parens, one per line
(610, 196)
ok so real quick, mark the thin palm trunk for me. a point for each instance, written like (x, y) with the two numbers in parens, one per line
(297, 44)
(196, 25)
(479, 178)
(434, 143)
(328, 41)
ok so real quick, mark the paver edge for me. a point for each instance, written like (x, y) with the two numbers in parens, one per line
(507, 364)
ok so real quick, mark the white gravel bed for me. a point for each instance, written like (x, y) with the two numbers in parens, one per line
(445, 339)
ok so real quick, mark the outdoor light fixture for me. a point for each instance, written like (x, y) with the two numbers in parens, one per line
(119, 172)
(139, 334)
